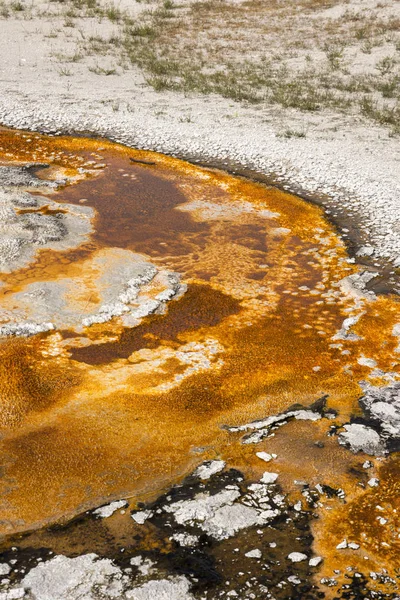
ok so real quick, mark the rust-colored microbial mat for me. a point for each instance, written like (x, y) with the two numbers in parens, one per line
(126, 406)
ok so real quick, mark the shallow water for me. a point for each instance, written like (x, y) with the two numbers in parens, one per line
(115, 411)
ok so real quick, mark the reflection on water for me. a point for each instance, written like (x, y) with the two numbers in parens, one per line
(112, 411)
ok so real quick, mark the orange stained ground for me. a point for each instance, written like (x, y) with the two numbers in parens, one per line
(82, 423)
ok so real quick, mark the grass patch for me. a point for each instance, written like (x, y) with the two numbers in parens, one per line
(97, 70)
(292, 133)
(64, 72)
(69, 58)
(17, 7)
(282, 53)
(113, 14)
(4, 10)
(382, 113)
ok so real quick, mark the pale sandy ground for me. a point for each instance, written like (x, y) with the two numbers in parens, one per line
(350, 162)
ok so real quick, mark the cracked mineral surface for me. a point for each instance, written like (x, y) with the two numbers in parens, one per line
(199, 391)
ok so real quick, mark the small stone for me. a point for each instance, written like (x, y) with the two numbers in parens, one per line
(342, 545)
(381, 520)
(365, 251)
(367, 362)
(373, 482)
(141, 516)
(353, 545)
(269, 477)
(4, 569)
(106, 511)
(315, 561)
(297, 557)
(254, 553)
(264, 456)
(209, 468)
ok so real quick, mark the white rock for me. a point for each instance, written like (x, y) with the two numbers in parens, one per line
(269, 477)
(296, 557)
(254, 553)
(306, 415)
(141, 516)
(353, 545)
(373, 482)
(217, 515)
(65, 578)
(228, 520)
(360, 437)
(365, 251)
(367, 362)
(106, 511)
(144, 565)
(264, 456)
(315, 561)
(342, 545)
(382, 520)
(4, 569)
(175, 588)
(209, 468)
(185, 539)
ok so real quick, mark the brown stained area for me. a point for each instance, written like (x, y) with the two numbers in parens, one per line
(86, 417)
(44, 210)
(27, 385)
(137, 212)
(370, 518)
(201, 307)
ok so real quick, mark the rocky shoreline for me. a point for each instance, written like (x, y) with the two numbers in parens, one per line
(356, 181)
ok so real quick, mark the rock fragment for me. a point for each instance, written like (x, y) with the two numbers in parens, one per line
(269, 477)
(296, 557)
(209, 468)
(256, 553)
(106, 511)
(359, 437)
(141, 516)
